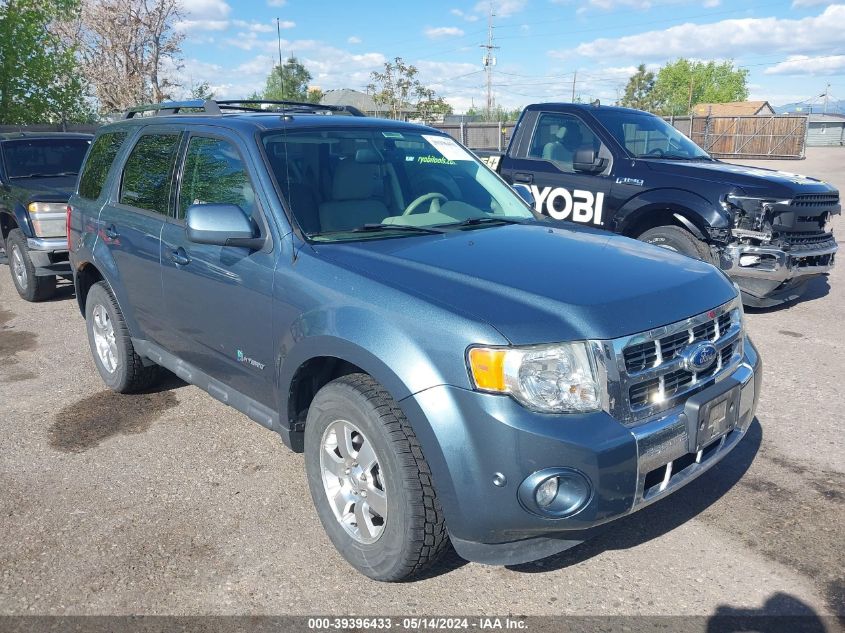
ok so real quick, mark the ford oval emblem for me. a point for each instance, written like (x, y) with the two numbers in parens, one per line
(699, 356)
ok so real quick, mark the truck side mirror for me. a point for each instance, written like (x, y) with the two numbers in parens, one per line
(221, 225)
(586, 160)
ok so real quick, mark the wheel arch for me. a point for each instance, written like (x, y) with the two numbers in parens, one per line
(669, 207)
(85, 276)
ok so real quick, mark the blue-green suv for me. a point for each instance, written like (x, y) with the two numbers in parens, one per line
(453, 367)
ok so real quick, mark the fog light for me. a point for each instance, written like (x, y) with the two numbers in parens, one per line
(555, 493)
(749, 260)
(546, 492)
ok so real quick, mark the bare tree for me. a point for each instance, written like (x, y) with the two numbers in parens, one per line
(128, 50)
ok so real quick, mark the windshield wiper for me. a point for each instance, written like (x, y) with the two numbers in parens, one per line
(46, 175)
(483, 220)
(377, 226)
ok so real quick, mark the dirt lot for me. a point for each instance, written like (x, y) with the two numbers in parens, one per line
(172, 503)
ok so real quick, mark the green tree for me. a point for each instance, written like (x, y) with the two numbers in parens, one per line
(289, 82)
(39, 82)
(404, 95)
(499, 113)
(202, 91)
(639, 92)
(682, 84)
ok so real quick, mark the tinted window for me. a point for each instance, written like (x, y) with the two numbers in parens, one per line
(147, 173)
(97, 165)
(214, 173)
(558, 137)
(647, 136)
(28, 158)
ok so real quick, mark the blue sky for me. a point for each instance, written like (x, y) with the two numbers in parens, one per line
(792, 48)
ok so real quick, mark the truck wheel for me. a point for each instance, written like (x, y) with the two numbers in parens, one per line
(29, 287)
(676, 239)
(119, 365)
(370, 482)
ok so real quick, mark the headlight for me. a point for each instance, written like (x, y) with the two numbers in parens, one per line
(558, 378)
(48, 218)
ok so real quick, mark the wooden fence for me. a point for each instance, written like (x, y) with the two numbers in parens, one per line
(746, 136)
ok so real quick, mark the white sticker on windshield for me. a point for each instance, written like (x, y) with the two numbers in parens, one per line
(447, 147)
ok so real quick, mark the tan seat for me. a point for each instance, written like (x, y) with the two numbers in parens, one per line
(353, 202)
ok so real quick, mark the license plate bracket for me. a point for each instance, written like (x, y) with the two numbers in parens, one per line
(711, 414)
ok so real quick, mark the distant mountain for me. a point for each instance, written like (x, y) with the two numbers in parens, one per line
(833, 107)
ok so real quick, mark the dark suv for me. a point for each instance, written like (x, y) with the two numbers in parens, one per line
(453, 366)
(38, 173)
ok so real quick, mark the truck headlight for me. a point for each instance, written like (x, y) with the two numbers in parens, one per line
(48, 218)
(556, 378)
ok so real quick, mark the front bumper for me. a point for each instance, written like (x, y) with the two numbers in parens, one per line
(771, 272)
(49, 255)
(481, 447)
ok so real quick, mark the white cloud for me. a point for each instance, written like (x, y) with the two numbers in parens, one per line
(807, 65)
(709, 4)
(276, 3)
(353, 39)
(260, 27)
(797, 4)
(503, 8)
(739, 36)
(469, 17)
(205, 15)
(443, 31)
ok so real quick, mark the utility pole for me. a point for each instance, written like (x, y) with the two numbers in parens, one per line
(689, 102)
(489, 61)
(574, 78)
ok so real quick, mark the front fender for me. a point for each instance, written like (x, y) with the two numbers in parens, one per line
(21, 216)
(699, 211)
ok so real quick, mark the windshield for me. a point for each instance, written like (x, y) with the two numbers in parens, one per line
(647, 136)
(344, 184)
(40, 157)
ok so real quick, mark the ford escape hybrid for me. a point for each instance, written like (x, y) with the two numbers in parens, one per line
(454, 367)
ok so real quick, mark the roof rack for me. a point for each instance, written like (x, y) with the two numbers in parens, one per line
(216, 107)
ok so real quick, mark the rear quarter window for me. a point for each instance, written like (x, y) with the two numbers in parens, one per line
(96, 168)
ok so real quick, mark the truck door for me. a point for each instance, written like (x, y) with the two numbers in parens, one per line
(545, 161)
(218, 299)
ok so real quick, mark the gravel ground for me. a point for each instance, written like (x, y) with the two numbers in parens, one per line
(172, 503)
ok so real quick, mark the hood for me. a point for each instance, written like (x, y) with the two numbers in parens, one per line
(58, 188)
(755, 181)
(537, 283)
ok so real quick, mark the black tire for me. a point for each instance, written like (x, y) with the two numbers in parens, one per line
(129, 375)
(679, 240)
(29, 287)
(414, 531)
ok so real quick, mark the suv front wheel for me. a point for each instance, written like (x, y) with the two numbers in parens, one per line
(30, 286)
(120, 366)
(370, 482)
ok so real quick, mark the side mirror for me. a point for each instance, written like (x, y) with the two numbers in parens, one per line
(221, 225)
(587, 160)
(524, 192)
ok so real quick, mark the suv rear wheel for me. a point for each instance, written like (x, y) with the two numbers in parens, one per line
(29, 286)
(370, 482)
(676, 239)
(119, 365)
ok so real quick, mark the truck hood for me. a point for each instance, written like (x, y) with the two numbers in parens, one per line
(756, 181)
(53, 189)
(536, 283)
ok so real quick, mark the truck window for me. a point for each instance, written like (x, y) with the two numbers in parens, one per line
(97, 165)
(558, 136)
(214, 173)
(44, 157)
(145, 183)
(647, 136)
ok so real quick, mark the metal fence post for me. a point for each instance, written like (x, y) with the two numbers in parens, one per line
(500, 137)
(463, 137)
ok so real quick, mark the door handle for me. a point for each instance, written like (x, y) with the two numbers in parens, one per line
(111, 232)
(523, 177)
(180, 257)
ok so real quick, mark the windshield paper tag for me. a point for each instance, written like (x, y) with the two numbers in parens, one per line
(447, 147)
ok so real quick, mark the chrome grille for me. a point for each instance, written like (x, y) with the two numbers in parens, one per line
(652, 374)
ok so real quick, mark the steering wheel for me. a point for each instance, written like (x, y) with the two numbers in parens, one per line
(656, 151)
(435, 206)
